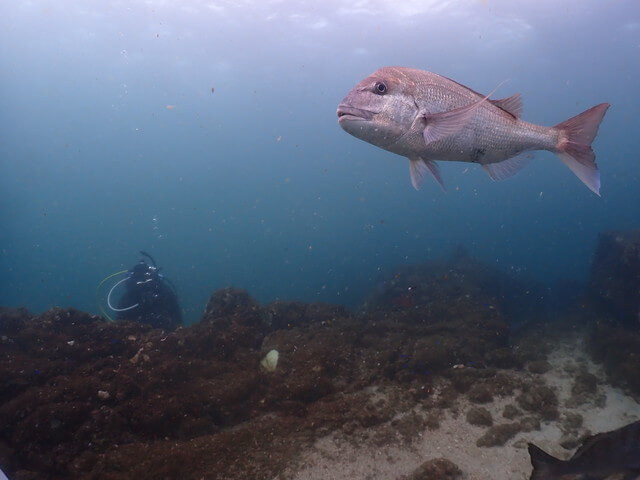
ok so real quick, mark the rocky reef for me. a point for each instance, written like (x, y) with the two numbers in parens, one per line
(85, 398)
(615, 275)
(456, 279)
(615, 291)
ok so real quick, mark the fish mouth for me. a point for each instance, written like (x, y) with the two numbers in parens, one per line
(348, 113)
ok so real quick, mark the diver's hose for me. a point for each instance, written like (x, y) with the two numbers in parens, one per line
(150, 258)
(109, 298)
(98, 302)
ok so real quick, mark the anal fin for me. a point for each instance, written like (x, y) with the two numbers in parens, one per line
(507, 168)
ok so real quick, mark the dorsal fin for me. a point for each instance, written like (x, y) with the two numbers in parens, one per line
(512, 104)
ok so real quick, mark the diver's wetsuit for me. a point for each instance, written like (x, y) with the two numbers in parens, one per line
(157, 301)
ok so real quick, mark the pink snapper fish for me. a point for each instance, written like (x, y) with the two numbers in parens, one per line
(426, 117)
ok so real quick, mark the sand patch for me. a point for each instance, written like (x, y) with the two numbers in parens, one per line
(589, 407)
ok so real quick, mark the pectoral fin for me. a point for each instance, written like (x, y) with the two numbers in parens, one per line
(419, 168)
(443, 124)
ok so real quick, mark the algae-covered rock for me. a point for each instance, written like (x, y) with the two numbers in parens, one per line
(436, 469)
(280, 314)
(585, 383)
(511, 411)
(539, 399)
(498, 435)
(479, 416)
(480, 393)
(615, 275)
(571, 422)
(528, 424)
(619, 350)
(539, 366)
(230, 301)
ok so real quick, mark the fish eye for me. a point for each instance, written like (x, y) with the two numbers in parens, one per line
(380, 88)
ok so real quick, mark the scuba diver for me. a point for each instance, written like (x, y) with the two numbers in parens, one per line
(148, 296)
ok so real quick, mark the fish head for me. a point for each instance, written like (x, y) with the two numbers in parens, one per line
(380, 109)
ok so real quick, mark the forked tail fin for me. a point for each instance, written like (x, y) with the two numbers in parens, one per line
(543, 464)
(574, 145)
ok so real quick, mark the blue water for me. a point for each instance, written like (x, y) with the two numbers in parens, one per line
(112, 141)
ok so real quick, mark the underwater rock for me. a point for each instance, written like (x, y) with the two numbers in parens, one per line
(498, 435)
(194, 401)
(480, 393)
(229, 301)
(432, 420)
(281, 314)
(463, 379)
(584, 390)
(443, 316)
(539, 399)
(502, 358)
(533, 347)
(585, 383)
(479, 416)
(615, 275)
(421, 343)
(503, 384)
(618, 349)
(572, 421)
(409, 427)
(528, 424)
(539, 366)
(511, 411)
(570, 440)
(231, 320)
(457, 279)
(12, 320)
(570, 426)
(436, 469)
(314, 360)
(85, 391)
(67, 380)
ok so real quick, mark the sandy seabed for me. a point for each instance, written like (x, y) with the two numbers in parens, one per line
(335, 457)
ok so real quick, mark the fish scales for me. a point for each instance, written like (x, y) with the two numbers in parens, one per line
(492, 130)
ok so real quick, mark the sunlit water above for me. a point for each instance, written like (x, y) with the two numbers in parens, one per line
(205, 133)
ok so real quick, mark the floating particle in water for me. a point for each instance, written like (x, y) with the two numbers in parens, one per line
(156, 227)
